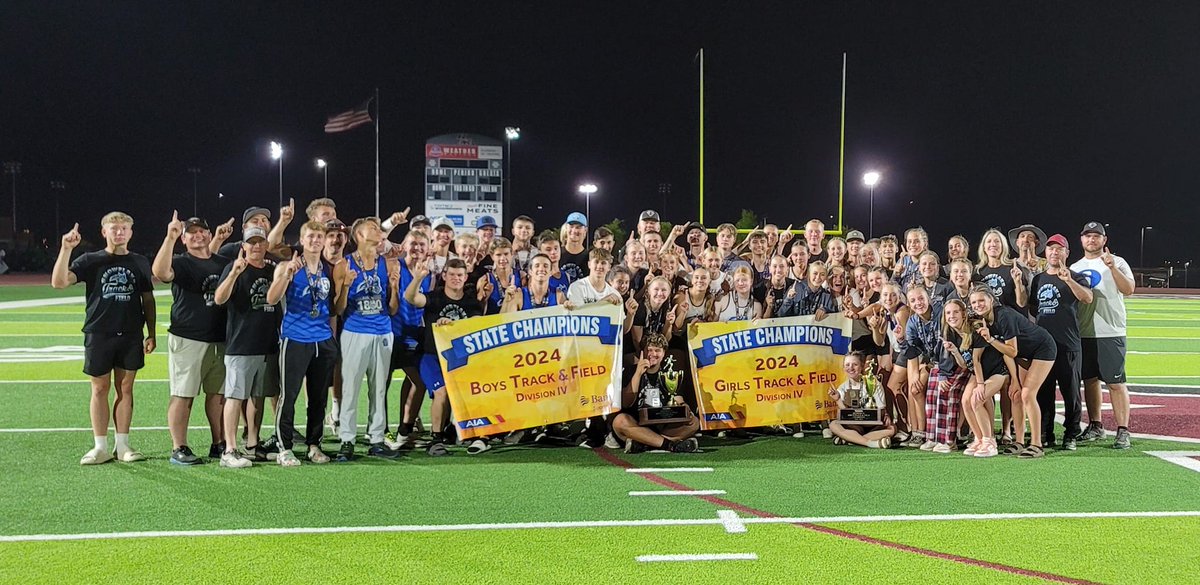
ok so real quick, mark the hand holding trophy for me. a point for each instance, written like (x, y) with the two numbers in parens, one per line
(667, 411)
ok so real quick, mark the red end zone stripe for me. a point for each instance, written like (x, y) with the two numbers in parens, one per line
(617, 461)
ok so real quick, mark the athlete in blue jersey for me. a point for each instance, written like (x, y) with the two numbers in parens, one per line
(365, 295)
(491, 286)
(309, 351)
(538, 294)
(408, 327)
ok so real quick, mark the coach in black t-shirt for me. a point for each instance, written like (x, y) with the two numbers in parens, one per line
(1057, 293)
(196, 339)
(251, 344)
(120, 301)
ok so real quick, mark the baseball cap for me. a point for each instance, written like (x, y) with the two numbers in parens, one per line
(855, 235)
(648, 214)
(336, 225)
(253, 232)
(1093, 227)
(419, 220)
(443, 222)
(195, 222)
(692, 225)
(1058, 239)
(576, 217)
(485, 221)
(253, 211)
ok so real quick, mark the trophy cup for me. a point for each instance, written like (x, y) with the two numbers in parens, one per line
(660, 408)
(861, 408)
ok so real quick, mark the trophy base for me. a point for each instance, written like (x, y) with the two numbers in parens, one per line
(860, 416)
(664, 415)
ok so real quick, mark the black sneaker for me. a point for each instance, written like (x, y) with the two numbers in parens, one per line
(258, 453)
(184, 456)
(216, 450)
(1091, 433)
(686, 446)
(632, 447)
(345, 453)
(1069, 445)
(381, 450)
(272, 443)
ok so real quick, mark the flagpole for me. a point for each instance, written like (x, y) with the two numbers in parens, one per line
(377, 152)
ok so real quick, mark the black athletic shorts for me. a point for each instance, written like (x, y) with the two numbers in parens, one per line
(102, 352)
(1104, 358)
(403, 356)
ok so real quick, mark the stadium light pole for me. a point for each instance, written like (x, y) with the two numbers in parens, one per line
(1142, 253)
(195, 171)
(587, 189)
(58, 187)
(13, 168)
(277, 154)
(511, 133)
(1185, 269)
(870, 179)
(324, 166)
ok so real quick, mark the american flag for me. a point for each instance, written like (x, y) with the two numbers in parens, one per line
(349, 120)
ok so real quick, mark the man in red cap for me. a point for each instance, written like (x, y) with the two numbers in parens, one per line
(1057, 292)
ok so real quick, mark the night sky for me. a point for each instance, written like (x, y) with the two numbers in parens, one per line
(978, 114)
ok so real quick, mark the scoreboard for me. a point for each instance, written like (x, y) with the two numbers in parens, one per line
(464, 179)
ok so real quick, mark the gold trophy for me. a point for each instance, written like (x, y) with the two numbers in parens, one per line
(667, 412)
(861, 407)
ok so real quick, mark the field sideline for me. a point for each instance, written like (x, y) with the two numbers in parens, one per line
(767, 510)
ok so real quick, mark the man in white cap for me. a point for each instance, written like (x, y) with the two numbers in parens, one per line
(1102, 332)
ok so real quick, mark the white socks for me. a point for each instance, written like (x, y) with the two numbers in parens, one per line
(122, 442)
(102, 443)
(873, 444)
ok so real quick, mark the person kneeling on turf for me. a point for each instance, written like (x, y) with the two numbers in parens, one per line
(873, 436)
(643, 388)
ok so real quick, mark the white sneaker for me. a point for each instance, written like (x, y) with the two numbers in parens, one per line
(927, 446)
(826, 433)
(800, 435)
(611, 442)
(288, 459)
(942, 448)
(235, 460)
(130, 456)
(96, 457)
(395, 442)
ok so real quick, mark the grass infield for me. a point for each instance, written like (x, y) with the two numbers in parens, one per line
(48, 493)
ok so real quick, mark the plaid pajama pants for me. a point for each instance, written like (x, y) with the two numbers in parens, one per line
(942, 409)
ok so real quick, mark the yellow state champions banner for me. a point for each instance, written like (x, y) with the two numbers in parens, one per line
(767, 372)
(526, 369)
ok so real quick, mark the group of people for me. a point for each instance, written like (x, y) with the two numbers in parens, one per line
(262, 320)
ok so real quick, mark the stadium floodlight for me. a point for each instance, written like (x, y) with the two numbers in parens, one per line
(587, 189)
(277, 154)
(512, 133)
(324, 166)
(870, 179)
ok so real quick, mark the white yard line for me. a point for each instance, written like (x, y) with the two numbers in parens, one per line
(668, 469)
(87, 429)
(698, 557)
(80, 380)
(731, 521)
(678, 493)
(74, 300)
(1181, 458)
(585, 524)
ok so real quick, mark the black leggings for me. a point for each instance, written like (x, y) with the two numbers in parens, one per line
(1064, 375)
(312, 363)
